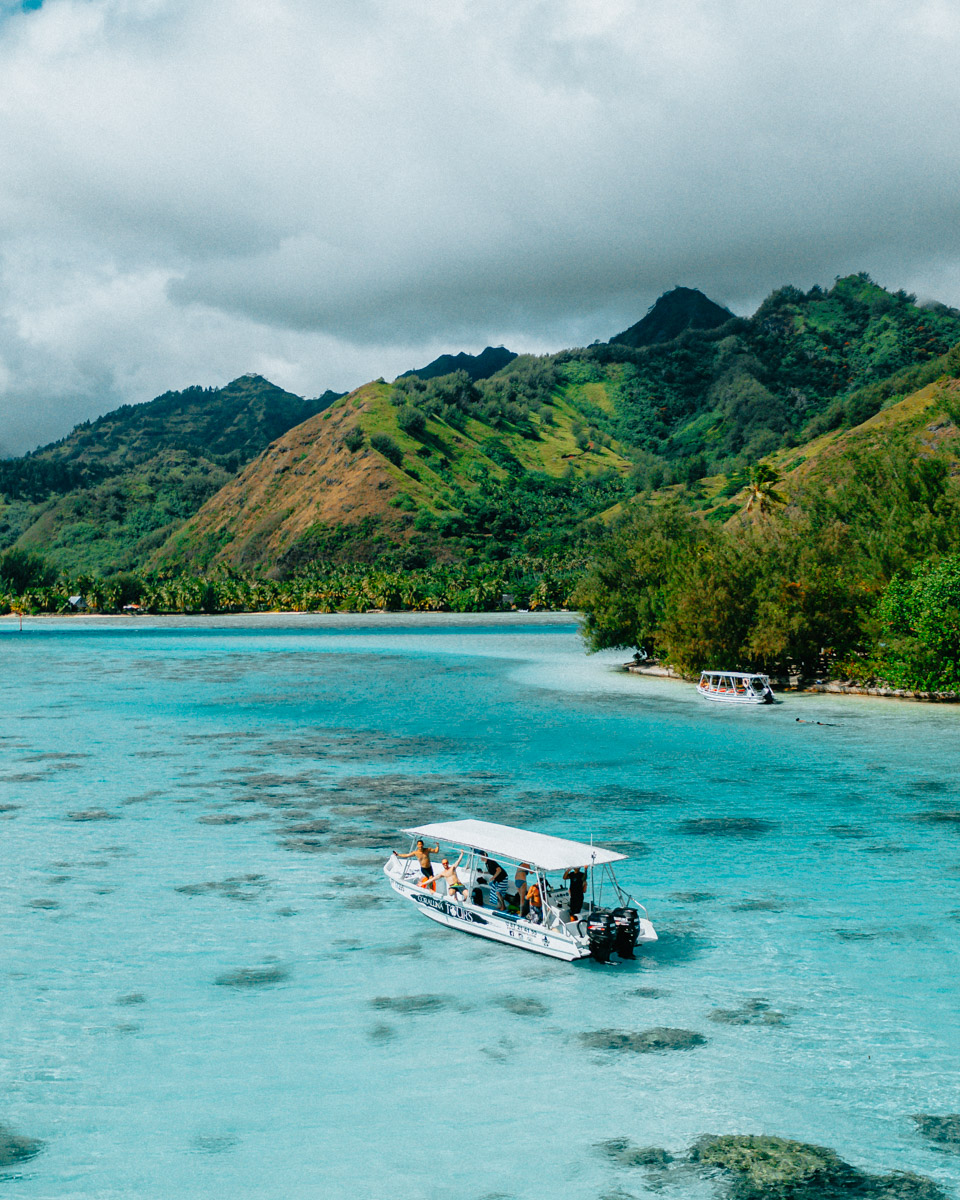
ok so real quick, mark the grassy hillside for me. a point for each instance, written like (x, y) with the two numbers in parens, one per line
(524, 459)
(104, 497)
(375, 472)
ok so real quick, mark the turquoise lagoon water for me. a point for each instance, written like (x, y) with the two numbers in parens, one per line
(812, 867)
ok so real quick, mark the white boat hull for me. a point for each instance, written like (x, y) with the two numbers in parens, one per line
(498, 926)
(727, 698)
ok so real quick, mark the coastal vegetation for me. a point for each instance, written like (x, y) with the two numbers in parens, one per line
(544, 584)
(853, 571)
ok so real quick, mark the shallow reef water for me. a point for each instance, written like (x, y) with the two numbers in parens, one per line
(207, 989)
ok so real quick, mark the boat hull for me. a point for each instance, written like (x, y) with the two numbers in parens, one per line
(499, 926)
(726, 698)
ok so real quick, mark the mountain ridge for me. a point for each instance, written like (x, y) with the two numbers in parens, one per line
(98, 497)
(449, 468)
(477, 366)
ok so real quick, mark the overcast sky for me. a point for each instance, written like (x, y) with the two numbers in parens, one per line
(329, 192)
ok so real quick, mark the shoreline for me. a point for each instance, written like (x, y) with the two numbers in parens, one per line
(307, 620)
(371, 620)
(833, 687)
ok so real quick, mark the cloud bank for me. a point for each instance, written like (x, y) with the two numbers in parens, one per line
(327, 193)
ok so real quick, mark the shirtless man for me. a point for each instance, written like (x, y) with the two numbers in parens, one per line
(422, 855)
(453, 879)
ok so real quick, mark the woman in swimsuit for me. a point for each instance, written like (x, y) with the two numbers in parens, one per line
(532, 904)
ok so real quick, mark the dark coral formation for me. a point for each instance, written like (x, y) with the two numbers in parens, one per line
(727, 826)
(410, 1004)
(750, 1012)
(944, 1130)
(236, 887)
(15, 1148)
(248, 977)
(382, 1032)
(92, 814)
(851, 832)
(949, 817)
(623, 1152)
(523, 1006)
(774, 1168)
(649, 1041)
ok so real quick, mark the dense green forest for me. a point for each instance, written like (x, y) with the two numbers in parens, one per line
(856, 574)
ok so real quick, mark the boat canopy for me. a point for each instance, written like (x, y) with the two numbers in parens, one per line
(737, 674)
(538, 849)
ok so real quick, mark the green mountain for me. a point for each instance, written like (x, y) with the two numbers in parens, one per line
(717, 399)
(528, 461)
(674, 313)
(102, 497)
(476, 366)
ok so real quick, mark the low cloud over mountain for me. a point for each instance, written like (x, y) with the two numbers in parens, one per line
(326, 194)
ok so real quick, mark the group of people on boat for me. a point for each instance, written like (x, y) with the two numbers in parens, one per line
(527, 898)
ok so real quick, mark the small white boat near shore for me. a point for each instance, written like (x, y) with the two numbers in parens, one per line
(608, 921)
(735, 687)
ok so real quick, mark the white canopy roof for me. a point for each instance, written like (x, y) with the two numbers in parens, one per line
(538, 849)
(738, 675)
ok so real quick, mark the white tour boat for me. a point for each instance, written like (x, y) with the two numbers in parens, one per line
(609, 921)
(735, 687)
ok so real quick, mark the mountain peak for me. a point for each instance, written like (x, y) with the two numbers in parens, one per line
(477, 366)
(675, 311)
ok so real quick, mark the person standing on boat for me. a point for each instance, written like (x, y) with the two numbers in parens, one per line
(449, 873)
(422, 855)
(498, 883)
(576, 879)
(520, 881)
(532, 907)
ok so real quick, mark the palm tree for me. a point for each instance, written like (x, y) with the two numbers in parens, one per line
(761, 488)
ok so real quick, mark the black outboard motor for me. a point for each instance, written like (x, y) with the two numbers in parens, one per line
(627, 922)
(601, 934)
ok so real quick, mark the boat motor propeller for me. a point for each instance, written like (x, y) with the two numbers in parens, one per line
(601, 934)
(627, 923)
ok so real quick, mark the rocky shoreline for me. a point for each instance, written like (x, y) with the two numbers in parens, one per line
(833, 687)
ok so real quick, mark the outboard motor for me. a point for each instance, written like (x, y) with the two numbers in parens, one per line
(601, 934)
(627, 922)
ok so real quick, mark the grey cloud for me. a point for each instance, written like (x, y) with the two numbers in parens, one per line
(334, 191)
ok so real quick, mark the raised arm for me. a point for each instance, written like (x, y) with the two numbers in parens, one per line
(459, 860)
